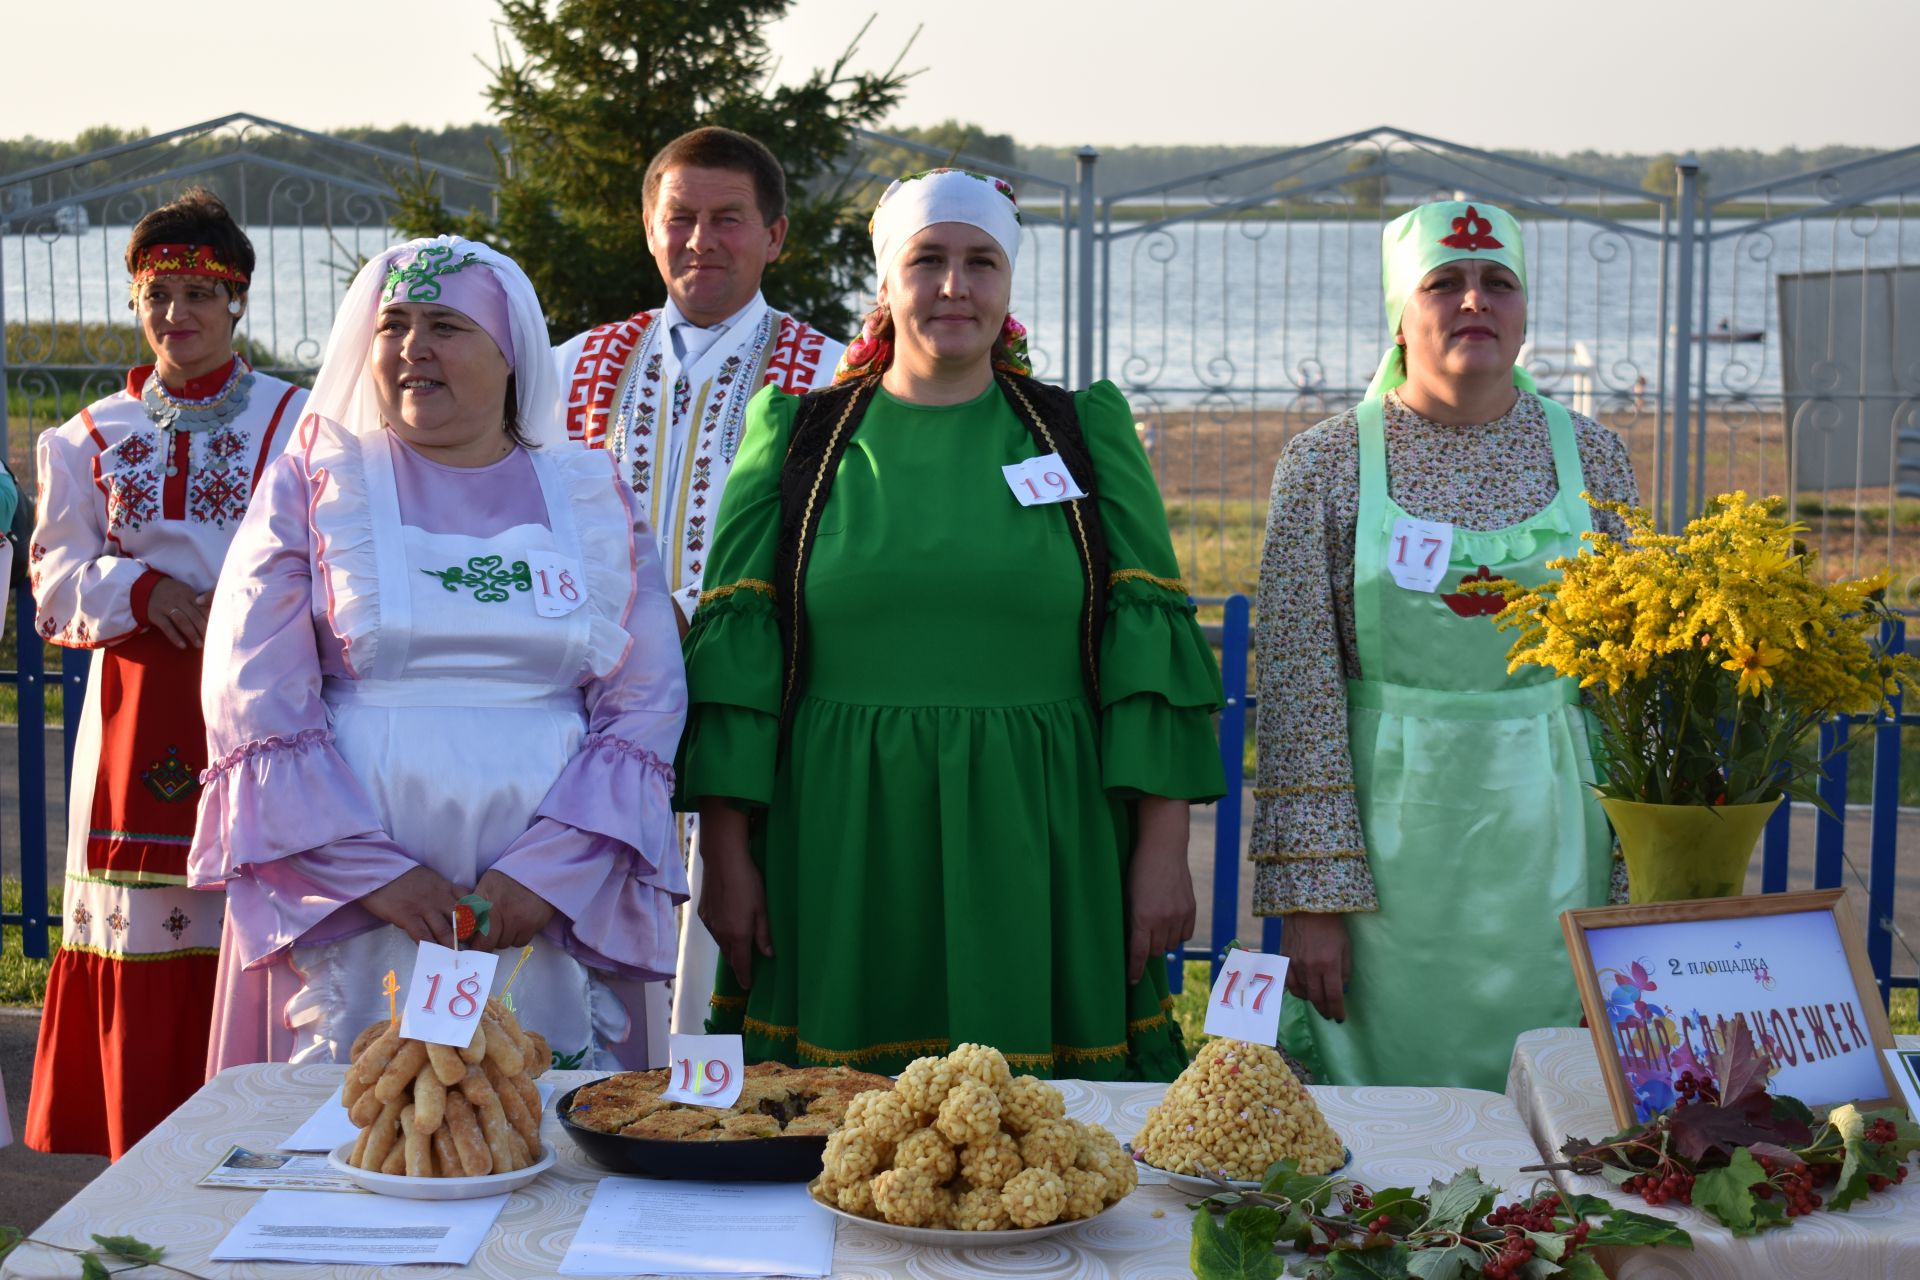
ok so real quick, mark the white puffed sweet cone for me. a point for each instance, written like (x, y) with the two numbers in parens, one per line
(1234, 1111)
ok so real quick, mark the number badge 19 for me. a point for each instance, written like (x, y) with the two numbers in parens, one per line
(705, 1071)
(1041, 480)
(1245, 1001)
(448, 990)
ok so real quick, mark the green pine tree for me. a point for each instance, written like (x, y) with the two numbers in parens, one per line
(586, 91)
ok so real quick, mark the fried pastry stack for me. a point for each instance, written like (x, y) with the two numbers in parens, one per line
(434, 1111)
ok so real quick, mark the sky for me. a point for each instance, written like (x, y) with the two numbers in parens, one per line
(1546, 75)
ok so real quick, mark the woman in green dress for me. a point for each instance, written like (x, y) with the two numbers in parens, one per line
(949, 704)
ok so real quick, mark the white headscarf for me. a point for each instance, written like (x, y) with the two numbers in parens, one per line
(921, 200)
(344, 392)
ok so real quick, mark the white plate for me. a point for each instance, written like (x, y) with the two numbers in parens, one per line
(935, 1237)
(393, 1184)
(1198, 1186)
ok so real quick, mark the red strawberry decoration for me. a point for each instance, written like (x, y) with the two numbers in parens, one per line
(471, 915)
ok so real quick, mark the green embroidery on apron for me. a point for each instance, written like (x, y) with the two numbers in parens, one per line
(488, 577)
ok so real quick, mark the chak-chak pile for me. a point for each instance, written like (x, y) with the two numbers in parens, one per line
(1234, 1111)
(961, 1143)
(434, 1111)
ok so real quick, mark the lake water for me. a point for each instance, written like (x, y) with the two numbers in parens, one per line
(1249, 310)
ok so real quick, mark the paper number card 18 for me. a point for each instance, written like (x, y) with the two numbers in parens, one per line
(447, 993)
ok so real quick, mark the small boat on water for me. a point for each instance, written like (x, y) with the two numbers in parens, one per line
(1725, 332)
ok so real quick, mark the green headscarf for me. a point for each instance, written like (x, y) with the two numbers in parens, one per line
(1429, 236)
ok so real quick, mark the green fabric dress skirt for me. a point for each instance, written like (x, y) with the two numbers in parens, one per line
(944, 835)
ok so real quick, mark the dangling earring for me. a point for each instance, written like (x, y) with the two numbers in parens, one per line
(234, 308)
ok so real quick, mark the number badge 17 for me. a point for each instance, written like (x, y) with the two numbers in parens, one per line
(706, 1071)
(448, 990)
(1245, 1001)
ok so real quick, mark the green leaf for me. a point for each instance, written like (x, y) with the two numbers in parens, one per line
(1863, 1159)
(1624, 1226)
(1727, 1193)
(1370, 1264)
(1458, 1202)
(130, 1247)
(1450, 1263)
(1235, 1250)
(1582, 1266)
(1578, 1207)
(1550, 1245)
(91, 1268)
(1769, 1213)
(1615, 1175)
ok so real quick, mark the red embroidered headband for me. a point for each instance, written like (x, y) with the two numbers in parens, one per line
(181, 260)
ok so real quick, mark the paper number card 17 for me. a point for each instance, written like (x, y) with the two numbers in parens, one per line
(1245, 1001)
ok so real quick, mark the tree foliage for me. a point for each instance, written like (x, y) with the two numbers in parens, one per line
(587, 90)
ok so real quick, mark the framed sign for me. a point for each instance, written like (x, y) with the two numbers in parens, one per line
(1663, 983)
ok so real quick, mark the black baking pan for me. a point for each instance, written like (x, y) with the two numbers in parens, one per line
(745, 1160)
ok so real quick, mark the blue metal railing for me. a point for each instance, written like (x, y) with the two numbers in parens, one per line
(1235, 635)
(1829, 862)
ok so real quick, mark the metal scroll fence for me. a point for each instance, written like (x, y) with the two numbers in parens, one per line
(1766, 338)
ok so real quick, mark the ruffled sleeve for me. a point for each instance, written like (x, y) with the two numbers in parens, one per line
(604, 848)
(733, 647)
(285, 826)
(1159, 682)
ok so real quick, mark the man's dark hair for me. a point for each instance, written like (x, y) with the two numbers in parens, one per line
(712, 147)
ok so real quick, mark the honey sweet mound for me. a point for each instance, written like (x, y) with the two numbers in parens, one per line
(1234, 1111)
(963, 1144)
(775, 1101)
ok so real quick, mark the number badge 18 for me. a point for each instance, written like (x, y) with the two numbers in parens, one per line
(706, 1071)
(448, 990)
(1245, 1001)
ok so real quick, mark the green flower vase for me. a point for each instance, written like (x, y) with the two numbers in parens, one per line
(1675, 852)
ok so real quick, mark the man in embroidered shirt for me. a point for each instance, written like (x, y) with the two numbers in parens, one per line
(666, 390)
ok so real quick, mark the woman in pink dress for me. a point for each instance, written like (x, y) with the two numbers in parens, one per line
(442, 661)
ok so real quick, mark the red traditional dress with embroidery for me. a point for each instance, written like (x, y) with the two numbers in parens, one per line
(125, 503)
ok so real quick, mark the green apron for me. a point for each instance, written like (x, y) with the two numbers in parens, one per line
(1472, 786)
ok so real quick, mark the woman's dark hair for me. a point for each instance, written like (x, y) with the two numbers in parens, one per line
(197, 217)
(511, 416)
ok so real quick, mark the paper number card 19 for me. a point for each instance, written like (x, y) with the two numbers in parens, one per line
(704, 1071)
(1245, 1001)
(448, 991)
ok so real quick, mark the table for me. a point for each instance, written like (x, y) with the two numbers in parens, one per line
(1403, 1137)
(1555, 1081)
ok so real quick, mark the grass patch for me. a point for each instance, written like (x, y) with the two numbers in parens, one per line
(23, 980)
(1902, 1013)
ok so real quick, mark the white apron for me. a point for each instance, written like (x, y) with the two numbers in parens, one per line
(467, 717)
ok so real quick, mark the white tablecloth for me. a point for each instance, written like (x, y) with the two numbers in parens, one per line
(1555, 1081)
(1403, 1137)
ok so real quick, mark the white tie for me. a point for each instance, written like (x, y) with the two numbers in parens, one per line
(690, 341)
